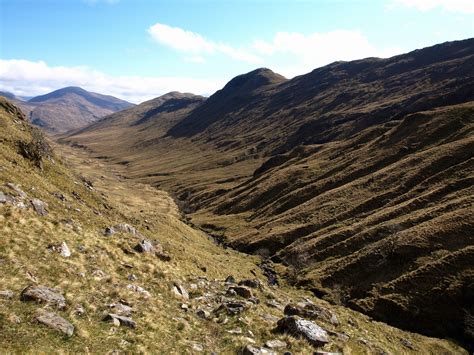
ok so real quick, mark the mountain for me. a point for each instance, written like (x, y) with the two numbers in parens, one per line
(69, 108)
(91, 261)
(357, 177)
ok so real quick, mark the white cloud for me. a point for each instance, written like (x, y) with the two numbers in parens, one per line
(27, 78)
(194, 43)
(459, 6)
(310, 51)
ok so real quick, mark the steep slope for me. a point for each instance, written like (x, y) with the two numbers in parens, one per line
(52, 222)
(70, 108)
(357, 175)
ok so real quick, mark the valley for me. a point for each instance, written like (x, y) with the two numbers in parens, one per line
(356, 176)
(175, 298)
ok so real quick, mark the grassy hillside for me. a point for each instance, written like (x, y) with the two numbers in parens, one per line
(104, 270)
(358, 176)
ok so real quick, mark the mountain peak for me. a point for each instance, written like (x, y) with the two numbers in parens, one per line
(254, 80)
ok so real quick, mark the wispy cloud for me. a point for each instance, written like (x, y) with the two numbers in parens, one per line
(189, 42)
(28, 78)
(458, 6)
(289, 53)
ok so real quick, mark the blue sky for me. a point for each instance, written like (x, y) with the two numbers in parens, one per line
(140, 49)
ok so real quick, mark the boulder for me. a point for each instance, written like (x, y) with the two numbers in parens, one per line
(121, 309)
(109, 231)
(127, 228)
(56, 322)
(252, 283)
(242, 291)
(302, 328)
(311, 311)
(117, 319)
(43, 294)
(201, 313)
(3, 197)
(20, 193)
(144, 246)
(138, 289)
(39, 206)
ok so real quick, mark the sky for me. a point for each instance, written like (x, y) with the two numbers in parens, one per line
(140, 49)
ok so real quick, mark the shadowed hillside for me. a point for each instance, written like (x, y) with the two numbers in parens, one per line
(358, 176)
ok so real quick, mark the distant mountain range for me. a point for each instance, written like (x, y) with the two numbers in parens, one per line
(67, 109)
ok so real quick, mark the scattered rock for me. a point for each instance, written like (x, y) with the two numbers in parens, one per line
(197, 347)
(138, 289)
(56, 322)
(252, 283)
(230, 279)
(121, 309)
(235, 331)
(407, 344)
(43, 294)
(132, 277)
(39, 206)
(18, 191)
(162, 255)
(242, 291)
(3, 197)
(180, 291)
(310, 310)
(79, 310)
(64, 250)
(275, 344)
(144, 246)
(14, 319)
(201, 313)
(125, 321)
(109, 231)
(231, 307)
(126, 228)
(59, 196)
(253, 350)
(298, 327)
(99, 274)
(7, 294)
(274, 304)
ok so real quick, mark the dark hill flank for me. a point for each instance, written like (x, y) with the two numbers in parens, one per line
(358, 176)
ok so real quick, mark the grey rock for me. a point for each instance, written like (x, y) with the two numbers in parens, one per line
(64, 250)
(56, 322)
(144, 246)
(269, 318)
(311, 311)
(252, 283)
(43, 294)
(121, 309)
(275, 344)
(242, 291)
(109, 231)
(126, 228)
(180, 291)
(79, 310)
(231, 307)
(235, 331)
(138, 289)
(7, 294)
(407, 344)
(253, 350)
(308, 330)
(201, 313)
(3, 197)
(163, 256)
(125, 321)
(230, 279)
(39, 206)
(132, 277)
(18, 191)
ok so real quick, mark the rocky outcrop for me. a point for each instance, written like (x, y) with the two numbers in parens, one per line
(43, 294)
(306, 329)
(55, 322)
